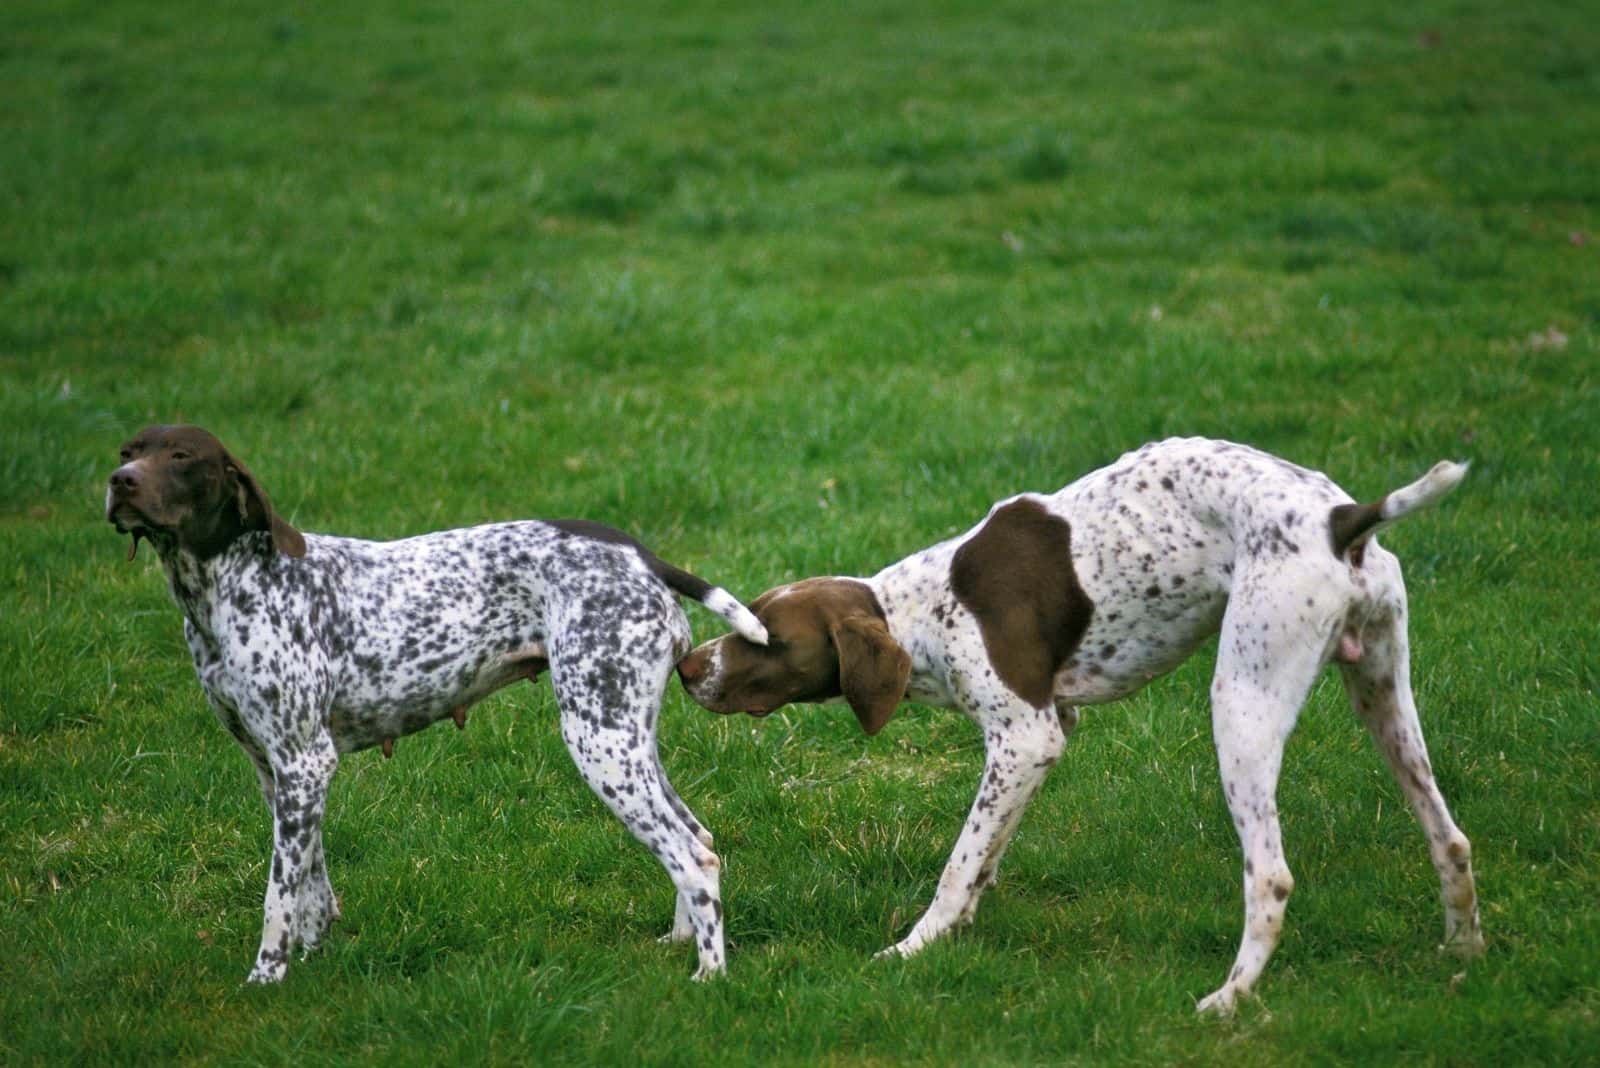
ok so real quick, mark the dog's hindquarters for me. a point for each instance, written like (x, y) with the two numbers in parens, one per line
(1378, 681)
(610, 699)
(1263, 676)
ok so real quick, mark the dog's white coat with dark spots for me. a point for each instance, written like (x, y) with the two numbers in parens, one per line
(309, 647)
(1083, 596)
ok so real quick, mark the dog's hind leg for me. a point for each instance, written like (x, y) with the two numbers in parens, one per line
(1264, 671)
(609, 705)
(682, 926)
(1379, 685)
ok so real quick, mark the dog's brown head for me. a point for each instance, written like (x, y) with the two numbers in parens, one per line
(181, 489)
(827, 639)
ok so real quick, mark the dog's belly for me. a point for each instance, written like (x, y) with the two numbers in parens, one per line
(1118, 656)
(436, 688)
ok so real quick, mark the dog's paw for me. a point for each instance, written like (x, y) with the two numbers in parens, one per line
(1218, 1003)
(682, 921)
(307, 938)
(1464, 945)
(315, 920)
(267, 972)
(897, 951)
(707, 972)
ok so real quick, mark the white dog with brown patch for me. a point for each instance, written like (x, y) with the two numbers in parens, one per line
(1083, 596)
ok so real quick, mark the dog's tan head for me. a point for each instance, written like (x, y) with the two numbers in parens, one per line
(826, 639)
(181, 489)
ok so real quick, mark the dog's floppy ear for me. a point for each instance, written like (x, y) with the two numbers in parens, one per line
(255, 509)
(873, 669)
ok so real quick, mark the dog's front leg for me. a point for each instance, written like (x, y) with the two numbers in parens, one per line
(299, 903)
(1022, 743)
(229, 717)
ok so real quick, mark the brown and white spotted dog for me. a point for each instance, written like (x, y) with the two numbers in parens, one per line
(310, 646)
(1082, 597)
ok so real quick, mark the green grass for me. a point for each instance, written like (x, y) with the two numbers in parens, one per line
(787, 290)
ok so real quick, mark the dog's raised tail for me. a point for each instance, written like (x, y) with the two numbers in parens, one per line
(715, 598)
(1350, 525)
(738, 616)
(677, 579)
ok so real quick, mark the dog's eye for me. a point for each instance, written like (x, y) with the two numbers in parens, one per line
(126, 455)
(180, 455)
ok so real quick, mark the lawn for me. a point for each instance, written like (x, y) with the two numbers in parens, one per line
(792, 289)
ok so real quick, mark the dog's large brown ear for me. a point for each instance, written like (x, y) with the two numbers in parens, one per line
(255, 508)
(873, 669)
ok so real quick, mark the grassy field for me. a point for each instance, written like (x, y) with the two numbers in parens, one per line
(788, 289)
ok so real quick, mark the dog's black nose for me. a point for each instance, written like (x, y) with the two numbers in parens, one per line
(124, 480)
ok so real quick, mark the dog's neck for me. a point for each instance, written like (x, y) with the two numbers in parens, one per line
(190, 579)
(917, 601)
(195, 579)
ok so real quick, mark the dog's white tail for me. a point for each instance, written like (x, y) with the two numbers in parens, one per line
(1350, 525)
(738, 616)
(715, 598)
(677, 579)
